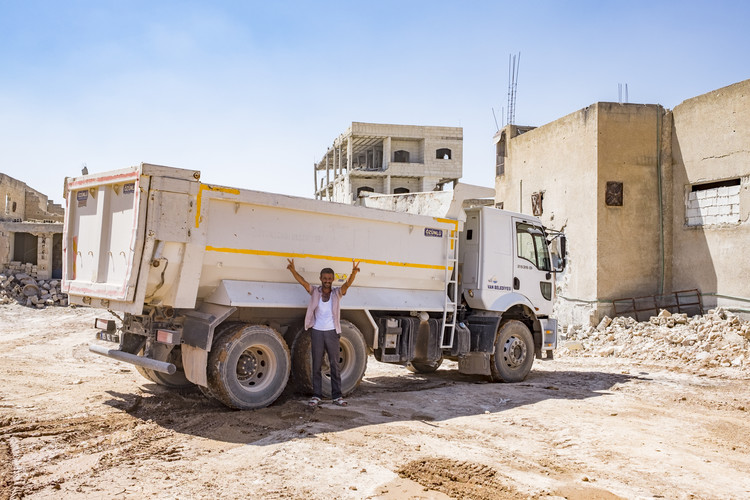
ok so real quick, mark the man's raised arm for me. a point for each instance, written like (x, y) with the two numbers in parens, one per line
(355, 270)
(302, 281)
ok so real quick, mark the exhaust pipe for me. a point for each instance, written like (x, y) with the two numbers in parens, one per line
(151, 364)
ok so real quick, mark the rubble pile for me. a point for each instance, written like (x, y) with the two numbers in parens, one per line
(718, 338)
(23, 288)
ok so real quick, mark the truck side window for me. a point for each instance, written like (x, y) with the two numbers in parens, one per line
(532, 245)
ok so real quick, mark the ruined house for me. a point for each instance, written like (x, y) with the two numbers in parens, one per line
(389, 159)
(31, 228)
(654, 201)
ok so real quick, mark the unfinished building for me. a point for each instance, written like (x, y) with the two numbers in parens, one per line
(653, 201)
(389, 159)
(31, 228)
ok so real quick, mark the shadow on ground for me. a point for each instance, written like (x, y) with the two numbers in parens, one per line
(431, 399)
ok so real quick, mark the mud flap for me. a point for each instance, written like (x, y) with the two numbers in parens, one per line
(194, 361)
(474, 363)
(197, 333)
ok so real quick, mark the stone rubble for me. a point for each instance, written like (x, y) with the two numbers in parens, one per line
(718, 338)
(20, 285)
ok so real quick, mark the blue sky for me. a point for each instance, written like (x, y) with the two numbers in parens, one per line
(252, 93)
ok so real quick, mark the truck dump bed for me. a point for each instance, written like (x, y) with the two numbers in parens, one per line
(157, 235)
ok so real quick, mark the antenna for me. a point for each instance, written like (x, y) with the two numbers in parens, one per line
(619, 93)
(495, 117)
(514, 62)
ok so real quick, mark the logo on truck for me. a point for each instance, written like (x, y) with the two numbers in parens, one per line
(492, 284)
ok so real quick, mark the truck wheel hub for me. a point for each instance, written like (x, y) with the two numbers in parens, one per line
(514, 352)
(248, 365)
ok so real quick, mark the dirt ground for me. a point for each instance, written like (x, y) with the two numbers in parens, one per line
(77, 425)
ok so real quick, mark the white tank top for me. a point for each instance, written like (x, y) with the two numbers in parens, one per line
(324, 315)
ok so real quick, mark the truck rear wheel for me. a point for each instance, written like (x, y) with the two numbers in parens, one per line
(248, 368)
(514, 353)
(352, 361)
(424, 366)
(172, 355)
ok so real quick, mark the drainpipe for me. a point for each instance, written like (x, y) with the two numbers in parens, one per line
(661, 205)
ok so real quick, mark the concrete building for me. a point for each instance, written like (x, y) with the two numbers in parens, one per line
(389, 159)
(31, 228)
(653, 201)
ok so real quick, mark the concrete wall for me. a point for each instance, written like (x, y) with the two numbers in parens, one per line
(560, 160)
(710, 143)
(19, 201)
(12, 198)
(629, 250)
(684, 222)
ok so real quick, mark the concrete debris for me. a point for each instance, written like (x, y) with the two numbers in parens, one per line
(718, 338)
(18, 286)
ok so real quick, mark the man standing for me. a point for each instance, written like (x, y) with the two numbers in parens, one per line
(323, 319)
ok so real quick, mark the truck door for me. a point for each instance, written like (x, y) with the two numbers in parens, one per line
(532, 271)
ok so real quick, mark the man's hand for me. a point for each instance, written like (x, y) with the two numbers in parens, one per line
(302, 281)
(355, 270)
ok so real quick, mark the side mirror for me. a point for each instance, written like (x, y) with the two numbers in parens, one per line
(559, 254)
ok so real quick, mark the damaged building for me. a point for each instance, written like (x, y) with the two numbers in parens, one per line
(31, 229)
(389, 159)
(654, 201)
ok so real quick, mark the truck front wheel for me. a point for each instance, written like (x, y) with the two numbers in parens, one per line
(248, 367)
(352, 361)
(514, 353)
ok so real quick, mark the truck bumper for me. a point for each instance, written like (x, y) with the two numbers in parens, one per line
(151, 364)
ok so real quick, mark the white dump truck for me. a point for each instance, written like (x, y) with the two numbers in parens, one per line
(197, 275)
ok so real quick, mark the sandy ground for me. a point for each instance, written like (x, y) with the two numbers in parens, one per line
(77, 425)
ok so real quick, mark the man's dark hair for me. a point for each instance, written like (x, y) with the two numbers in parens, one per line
(327, 270)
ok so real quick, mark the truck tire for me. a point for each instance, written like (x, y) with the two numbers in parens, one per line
(514, 353)
(248, 368)
(177, 380)
(352, 361)
(424, 366)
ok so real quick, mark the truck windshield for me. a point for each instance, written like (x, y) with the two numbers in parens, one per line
(532, 245)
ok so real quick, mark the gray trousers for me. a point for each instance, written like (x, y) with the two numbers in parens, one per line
(325, 341)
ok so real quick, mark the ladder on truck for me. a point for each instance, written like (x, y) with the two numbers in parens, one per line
(450, 308)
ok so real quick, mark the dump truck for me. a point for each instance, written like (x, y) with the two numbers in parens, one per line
(196, 275)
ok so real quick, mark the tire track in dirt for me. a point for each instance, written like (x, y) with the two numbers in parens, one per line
(6, 470)
(459, 479)
(113, 438)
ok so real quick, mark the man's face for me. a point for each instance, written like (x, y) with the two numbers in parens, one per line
(326, 279)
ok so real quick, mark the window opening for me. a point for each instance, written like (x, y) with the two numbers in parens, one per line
(713, 203)
(25, 248)
(400, 190)
(401, 156)
(532, 245)
(443, 154)
(367, 189)
(713, 185)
